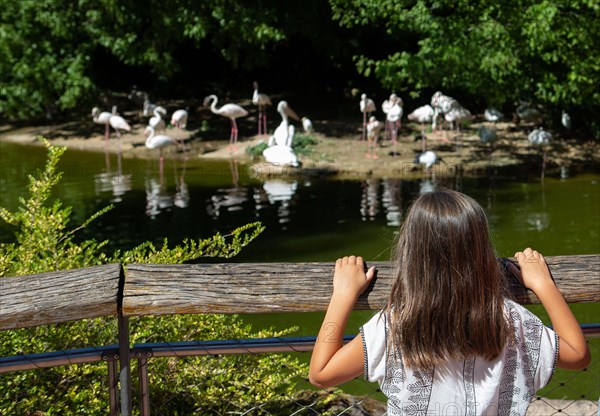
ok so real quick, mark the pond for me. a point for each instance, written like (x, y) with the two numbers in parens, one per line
(307, 218)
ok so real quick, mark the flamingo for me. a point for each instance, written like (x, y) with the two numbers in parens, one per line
(157, 121)
(423, 114)
(541, 138)
(565, 120)
(367, 105)
(458, 115)
(307, 125)
(394, 115)
(102, 118)
(231, 111)
(374, 127)
(118, 123)
(179, 118)
(157, 142)
(262, 101)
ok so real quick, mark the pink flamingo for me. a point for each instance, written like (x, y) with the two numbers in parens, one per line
(262, 101)
(231, 111)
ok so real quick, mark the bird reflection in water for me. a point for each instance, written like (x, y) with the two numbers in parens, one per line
(182, 193)
(369, 202)
(158, 198)
(392, 201)
(228, 199)
(112, 181)
(280, 193)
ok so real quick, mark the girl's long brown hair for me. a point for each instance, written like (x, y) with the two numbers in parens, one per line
(447, 299)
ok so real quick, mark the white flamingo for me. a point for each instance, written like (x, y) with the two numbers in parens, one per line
(231, 111)
(157, 142)
(374, 128)
(541, 138)
(118, 123)
(367, 106)
(422, 115)
(262, 101)
(157, 121)
(307, 125)
(179, 118)
(102, 118)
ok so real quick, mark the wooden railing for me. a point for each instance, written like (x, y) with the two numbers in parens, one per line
(145, 289)
(56, 297)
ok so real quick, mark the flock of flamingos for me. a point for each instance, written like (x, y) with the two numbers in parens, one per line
(279, 150)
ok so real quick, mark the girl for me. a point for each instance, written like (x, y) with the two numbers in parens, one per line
(449, 341)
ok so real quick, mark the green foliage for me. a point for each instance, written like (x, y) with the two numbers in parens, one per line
(504, 51)
(215, 384)
(48, 47)
(256, 150)
(303, 144)
(43, 242)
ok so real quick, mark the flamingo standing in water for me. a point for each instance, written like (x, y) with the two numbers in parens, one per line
(262, 101)
(231, 111)
(367, 105)
(157, 142)
(118, 123)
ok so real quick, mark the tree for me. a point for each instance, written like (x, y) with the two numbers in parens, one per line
(545, 51)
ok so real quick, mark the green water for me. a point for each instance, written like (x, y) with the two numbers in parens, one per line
(310, 218)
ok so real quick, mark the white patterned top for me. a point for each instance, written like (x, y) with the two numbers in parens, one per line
(504, 386)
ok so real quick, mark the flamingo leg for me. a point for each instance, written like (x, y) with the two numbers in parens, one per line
(265, 122)
(364, 130)
(260, 114)
(106, 133)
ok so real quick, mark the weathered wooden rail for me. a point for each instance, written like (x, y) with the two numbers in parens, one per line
(144, 289)
(93, 292)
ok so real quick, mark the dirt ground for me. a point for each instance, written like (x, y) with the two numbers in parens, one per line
(339, 149)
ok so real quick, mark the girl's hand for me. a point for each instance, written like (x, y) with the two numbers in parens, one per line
(350, 279)
(534, 273)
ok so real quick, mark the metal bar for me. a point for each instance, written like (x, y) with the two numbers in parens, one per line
(124, 373)
(113, 388)
(240, 346)
(144, 387)
(56, 359)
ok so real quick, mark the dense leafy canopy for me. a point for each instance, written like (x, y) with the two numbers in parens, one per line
(55, 54)
(546, 51)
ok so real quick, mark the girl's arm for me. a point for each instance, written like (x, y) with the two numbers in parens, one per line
(573, 352)
(332, 363)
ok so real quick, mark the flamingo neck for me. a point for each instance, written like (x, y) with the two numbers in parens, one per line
(213, 106)
(149, 138)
